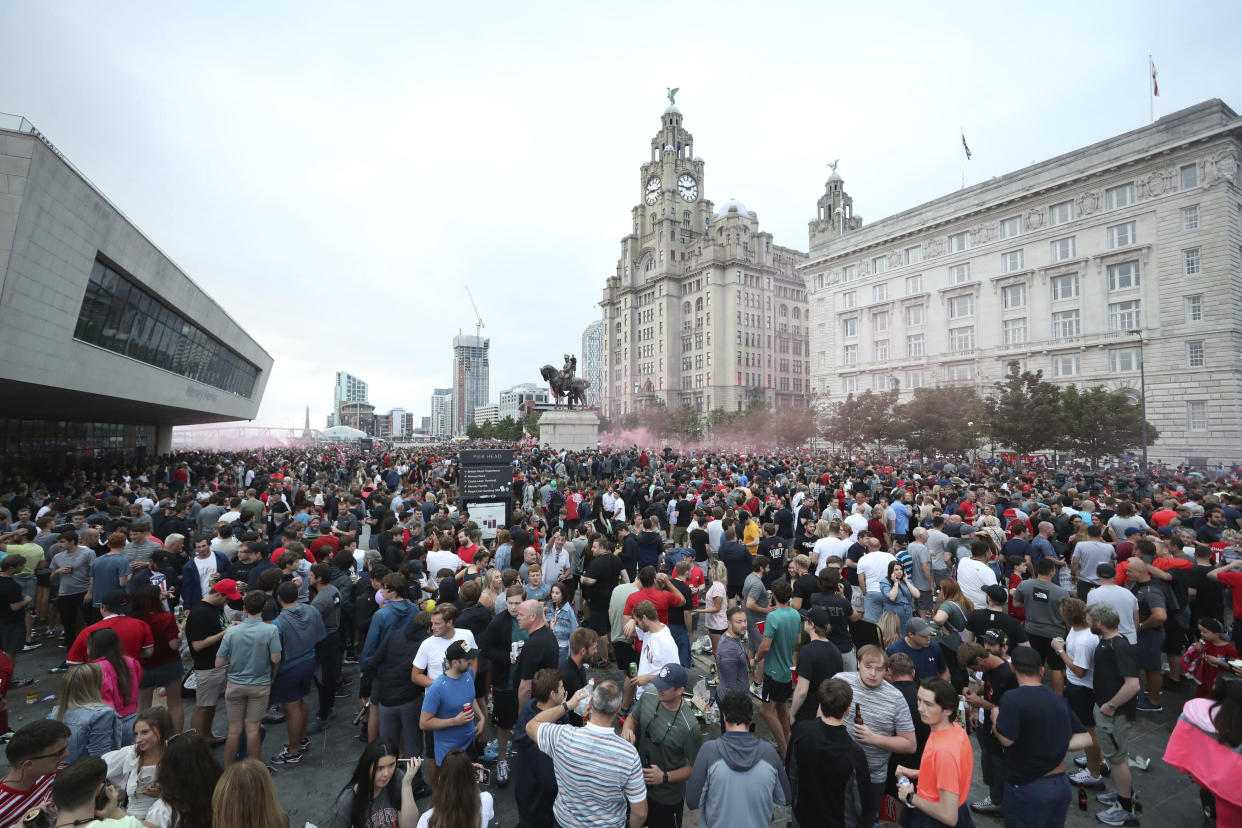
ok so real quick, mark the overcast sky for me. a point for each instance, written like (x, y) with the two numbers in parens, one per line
(333, 174)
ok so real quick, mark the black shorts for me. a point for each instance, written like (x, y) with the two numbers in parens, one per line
(1043, 646)
(775, 691)
(1082, 701)
(293, 684)
(716, 632)
(505, 708)
(1174, 637)
(733, 591)
(598, 620)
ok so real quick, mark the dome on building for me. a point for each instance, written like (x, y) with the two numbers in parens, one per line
(672, 110)
(732, 206)
(342, 433)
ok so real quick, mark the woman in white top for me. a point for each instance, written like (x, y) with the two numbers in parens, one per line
(457, 801)
(714, 606)
(134, 769)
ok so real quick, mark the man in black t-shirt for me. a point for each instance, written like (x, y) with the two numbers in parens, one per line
(774, 548)
(805, 584)
(996, 617)
(700, 541)
(818, 659)
(583, 644)
(1116, 686)
(204, 629)
(601, 577)
(541, 649)
(677, 616)
(832, 598)
(988, 656)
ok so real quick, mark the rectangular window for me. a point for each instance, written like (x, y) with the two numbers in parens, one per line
(1014, 331)
(914, 284)
(1190, 261)
(1064, 287)
(1063, 249)
(880, 349)
(1190, 176)
(1011, 262)
(849, 385)
(879, 321)
(1194, 353)
(849, 355)
(1121, 196)
(959, 373)
(880, 382)
(959, 242)
(1123, 276)
(1194, 308)
(1060, 213)
(959, 274)
(1011, 227)
(914, 315)
(1196, 415)
(879, 264)
(849, 327)
(1123, 360)
(848, 300)
(1065, 324)
(914, 345)
(1124, 316)
(962, 339)
(914, 255)
(960, 306)
(879, 293)
(1065, 365)
(1013, 296)
(914, 379)
(1121, 235)
(1190, 217)
(823, 360)
(849, 273)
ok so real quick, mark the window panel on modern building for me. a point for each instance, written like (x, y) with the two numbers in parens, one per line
(1065, 365)
(914, 379)
(1194, 353)
(879, 321)
(961, 372)
(1011, 227)
(1060, 213)
(849, 327)
(1121, 235)
(915, 345)
(914, 255)
(914, 315)
(1194, 308)
(960, 306)
(1125, 316)
(1196, 415)
(1190, 261)
(880, 350)
(1190, 217)
(1123, 276)
(1065, 324)
(1064, 287)
(1063, 249)
(1121, 196)
(1014, 331)
(848, 300)
(958, 242)
(1011, 262)
(879, 292)
(119, 315)
(1190, 176)
(959, 274)
(1013, 296)
(849, 355)
(879, 264)
(962, 339)
(914, 284)
(1123, 360)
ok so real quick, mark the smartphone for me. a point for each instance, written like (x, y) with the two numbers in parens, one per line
(407, 765)
(485, 776)
(101, 798)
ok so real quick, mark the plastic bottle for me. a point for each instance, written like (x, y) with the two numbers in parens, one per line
(1082, 798)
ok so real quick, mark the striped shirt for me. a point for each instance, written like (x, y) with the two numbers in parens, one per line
(14, 804)
(597, 772)
(884, 711)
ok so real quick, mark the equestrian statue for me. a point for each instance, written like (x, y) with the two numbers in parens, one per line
(564, 383)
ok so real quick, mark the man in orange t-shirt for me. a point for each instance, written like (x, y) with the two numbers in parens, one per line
(658, 590)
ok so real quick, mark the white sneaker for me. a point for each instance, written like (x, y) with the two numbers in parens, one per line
(1086, 780)
(1117, 815)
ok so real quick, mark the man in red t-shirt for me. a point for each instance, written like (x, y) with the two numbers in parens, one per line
(324, 548)
(1230, 576)
(136, 638)
(658, 590)
(1162, 517)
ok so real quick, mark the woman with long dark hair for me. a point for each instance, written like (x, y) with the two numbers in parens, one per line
(163, 668)
(121, 675)
(379, 792)
(457, 801)
(188, 776)
(135, 769)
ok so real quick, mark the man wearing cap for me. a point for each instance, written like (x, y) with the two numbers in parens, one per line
(988, 657)
(449, 707)
(994, 616)
(1037, 729)
(1119, 598)
(135, 635)
(818, 660)
(917, 643)
(201, 571)
(663, 729)
(204, 629)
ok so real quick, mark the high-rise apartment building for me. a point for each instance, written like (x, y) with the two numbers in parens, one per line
(592, 368)
(1121, 256)
(348, 389)
(704, 309)
(440, 426)
(513, 399)
(470, 379)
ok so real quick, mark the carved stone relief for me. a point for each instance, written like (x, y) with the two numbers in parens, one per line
(1222, 167)
(1034, 219)
(1089, 203)
(933, 248)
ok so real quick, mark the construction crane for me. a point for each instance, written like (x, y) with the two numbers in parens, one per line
(475, 370)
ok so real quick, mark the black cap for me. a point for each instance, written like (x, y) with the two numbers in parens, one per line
(117, 601)
(817, 616)
(996, 593)
(1026, 658)
(459, 650)
(997, 637)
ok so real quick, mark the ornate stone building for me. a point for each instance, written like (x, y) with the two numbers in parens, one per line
(704, 309)
(1059, 266)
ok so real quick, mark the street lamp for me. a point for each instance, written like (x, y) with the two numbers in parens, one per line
(1142, 393)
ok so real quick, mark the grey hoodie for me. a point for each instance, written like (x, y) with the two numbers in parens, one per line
(735, 780)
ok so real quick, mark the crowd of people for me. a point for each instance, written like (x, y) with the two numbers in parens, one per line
(876, 613)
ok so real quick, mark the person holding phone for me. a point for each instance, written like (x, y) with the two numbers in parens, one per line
(83, 796)
(380, 791)
(457, 801)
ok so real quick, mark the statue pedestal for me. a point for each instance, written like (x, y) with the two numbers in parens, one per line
(569, 430)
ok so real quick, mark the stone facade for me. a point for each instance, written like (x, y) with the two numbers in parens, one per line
(1053, 268)
(703, 309)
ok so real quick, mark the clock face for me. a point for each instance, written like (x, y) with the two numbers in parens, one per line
(688, 187)
(653, 189)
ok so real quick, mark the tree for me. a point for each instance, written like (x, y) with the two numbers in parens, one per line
(793, 426)
(860, 420)
(935, 420)
(1102, 423)
(531, 423)
(685, 424)
(1025, 413)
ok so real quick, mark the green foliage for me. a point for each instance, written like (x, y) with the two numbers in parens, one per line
(940, 420)
(866, 419)
(1025, 414)
(1101, 423)
(506, 429)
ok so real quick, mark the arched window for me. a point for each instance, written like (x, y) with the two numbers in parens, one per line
(797, 314)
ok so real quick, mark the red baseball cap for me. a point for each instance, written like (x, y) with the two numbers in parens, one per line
(227, 588)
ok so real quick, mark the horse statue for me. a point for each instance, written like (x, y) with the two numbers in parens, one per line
(572, 388)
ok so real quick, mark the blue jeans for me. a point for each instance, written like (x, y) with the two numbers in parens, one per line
(873, 607)
(682, 639)
(1043, 803)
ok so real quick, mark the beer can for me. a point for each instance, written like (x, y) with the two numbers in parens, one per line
(633, 670)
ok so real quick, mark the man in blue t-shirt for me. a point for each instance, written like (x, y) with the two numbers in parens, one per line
(927, 657)
(450, 718)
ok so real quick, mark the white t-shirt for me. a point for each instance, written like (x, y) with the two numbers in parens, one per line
(972, 577)
(430, 655)
(857, 523)
(486, 812)
(1080, 647)
(206, 568)
(658, 649)
(441, 559)
(825, 548)
(874, 567)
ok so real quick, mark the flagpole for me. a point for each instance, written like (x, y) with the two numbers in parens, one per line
(1151, 100)
(962, 133)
